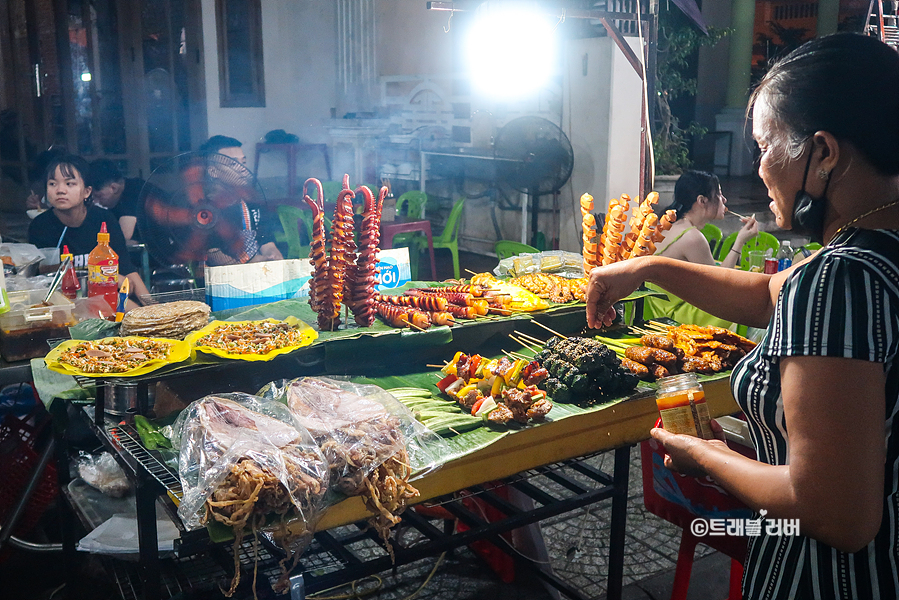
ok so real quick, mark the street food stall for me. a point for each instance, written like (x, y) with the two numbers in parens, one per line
(489, 391)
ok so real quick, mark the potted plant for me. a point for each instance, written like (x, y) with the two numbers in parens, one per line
(678, 42)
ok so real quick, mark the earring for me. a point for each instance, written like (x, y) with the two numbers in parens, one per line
(823, 174)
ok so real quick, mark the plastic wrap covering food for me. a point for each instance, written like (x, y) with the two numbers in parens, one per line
(226, 440)
(247, 463)
(373, 444)
(560, 262)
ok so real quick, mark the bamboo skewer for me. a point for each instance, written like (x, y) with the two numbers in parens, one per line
(524, 343)
(552, 331)
(515, 355)
(436, 366)
(409, 323)
(530, 337)
(735, 214)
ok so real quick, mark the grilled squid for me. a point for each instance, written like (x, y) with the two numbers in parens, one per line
(342, 248)
(317, 257)
(365, 272)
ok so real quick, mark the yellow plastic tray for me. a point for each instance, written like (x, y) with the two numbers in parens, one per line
(307, 334)
(179, 351)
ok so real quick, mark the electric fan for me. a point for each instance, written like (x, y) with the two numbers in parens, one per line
(184, 203)
(539, 156)
(535, 158)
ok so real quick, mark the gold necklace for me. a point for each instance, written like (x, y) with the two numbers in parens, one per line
(862, 216)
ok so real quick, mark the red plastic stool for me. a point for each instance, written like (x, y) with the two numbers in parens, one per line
(680, 499)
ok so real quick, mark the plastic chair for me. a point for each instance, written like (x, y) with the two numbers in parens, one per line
(713, 234)
(806, 251)
(292, 218)
(509, 248)
(331, 190)
(449, 238)
(414, 201)
(680, 499)
(762, 241)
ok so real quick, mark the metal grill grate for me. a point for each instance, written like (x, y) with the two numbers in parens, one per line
(129, 440)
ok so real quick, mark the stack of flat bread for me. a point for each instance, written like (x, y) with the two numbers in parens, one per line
(171, 320)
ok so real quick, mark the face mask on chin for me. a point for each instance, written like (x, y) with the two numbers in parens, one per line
(808, 211)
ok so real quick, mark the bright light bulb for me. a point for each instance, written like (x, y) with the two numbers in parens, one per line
(511, 52)
(85, 77)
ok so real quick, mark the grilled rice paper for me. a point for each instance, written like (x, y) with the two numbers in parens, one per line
(173, 320)
(115, 356)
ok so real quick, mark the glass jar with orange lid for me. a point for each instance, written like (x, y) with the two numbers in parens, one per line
(681, 402)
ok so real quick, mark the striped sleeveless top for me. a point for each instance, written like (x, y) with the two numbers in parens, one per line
(843, 303)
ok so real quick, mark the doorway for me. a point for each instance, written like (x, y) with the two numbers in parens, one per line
(118, 79)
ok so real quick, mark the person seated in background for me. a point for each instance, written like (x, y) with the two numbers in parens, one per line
(698, 200)
(37, 178)
(74, 221)
(119, 195)
(252, 222)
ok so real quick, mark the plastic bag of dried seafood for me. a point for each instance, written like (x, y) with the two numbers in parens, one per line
(229, 444)
(358, 427)
(373, 444)
(246, 462)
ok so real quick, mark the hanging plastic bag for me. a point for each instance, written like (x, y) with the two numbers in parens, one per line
(373, 444)
(249, 464)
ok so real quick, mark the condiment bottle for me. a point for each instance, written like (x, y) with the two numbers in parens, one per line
(103, 271)
(70, 286)
(681, 402)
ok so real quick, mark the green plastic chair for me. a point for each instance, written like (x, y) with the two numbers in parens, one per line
(762, 241)
(510, 248)
(713, 234)
(292, 218)
(414, 202)
(449, 237)
(331, 190)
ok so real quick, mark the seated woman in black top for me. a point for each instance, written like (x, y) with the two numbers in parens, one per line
(75, 222)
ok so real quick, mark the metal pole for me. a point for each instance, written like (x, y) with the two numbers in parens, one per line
(619, 521)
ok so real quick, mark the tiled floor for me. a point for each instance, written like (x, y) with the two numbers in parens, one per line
(577, 544)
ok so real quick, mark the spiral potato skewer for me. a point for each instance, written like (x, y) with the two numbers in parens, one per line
(640, 214)
(644, 245)
(588, 224)
(664, 225)
(614, 234)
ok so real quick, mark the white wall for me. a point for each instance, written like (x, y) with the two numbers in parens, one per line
(300, 79)
(602, 120)
(411, 39)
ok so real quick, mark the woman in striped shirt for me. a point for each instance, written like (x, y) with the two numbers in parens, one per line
(821, 390)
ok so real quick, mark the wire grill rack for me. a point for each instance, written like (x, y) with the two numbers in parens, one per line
(354, 551)
(129, 441)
